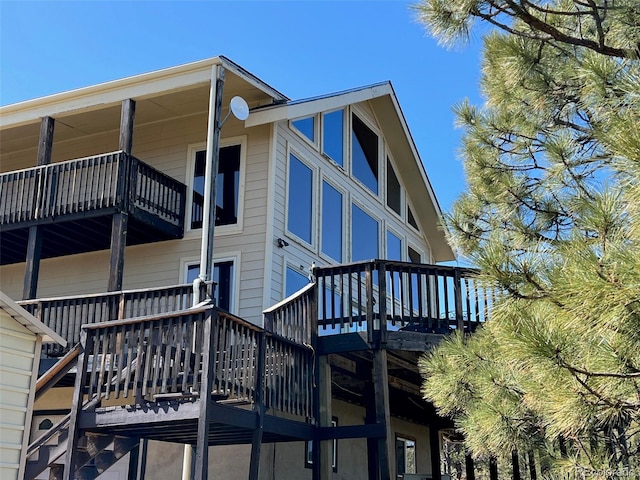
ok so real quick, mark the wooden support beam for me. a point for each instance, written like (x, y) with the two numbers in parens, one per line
(322, 450)
(119, 225)
(493, 468)
(34, 244)
(532, 466)
(434, 446)
(206, 385)
(256, 441)
(138, 461)
(370, 418)
(515, 464)
(380, 378)
(469, 467)
(127, 116)
(71, 457)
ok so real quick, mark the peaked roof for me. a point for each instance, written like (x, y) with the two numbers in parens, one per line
(383, 99)
(28, 321)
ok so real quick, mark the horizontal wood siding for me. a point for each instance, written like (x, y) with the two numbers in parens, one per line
(164, 146)
(17, 353)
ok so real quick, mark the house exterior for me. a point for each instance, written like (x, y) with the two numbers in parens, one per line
(306, 341)
(21, 336)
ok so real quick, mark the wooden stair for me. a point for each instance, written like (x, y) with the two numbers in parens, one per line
(96, 453)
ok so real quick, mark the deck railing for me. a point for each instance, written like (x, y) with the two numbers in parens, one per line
(111, 181)
(381, 295)
(161, 358)
(66, 315)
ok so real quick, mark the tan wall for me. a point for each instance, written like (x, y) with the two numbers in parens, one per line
(17, 356)
(164, 146)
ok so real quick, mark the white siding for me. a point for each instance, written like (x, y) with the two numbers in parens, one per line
(17, 356)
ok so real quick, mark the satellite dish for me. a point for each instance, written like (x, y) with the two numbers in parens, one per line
(239, 108)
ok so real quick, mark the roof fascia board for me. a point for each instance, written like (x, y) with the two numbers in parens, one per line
(29, 321)
(97, 96)
(312, 106)
(251, 79)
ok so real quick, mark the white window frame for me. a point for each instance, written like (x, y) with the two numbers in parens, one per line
(191, 161)
(314, 200)
(234, 257)
(345, 215)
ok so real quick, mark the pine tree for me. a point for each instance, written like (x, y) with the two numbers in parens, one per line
(551, 217)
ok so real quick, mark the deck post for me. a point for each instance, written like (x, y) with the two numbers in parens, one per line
(515, 463)
(370, 417)
(73, 436)
(256, 441)
(457, 292)
(206, 385)
(383, 415)
(469, 467)
(34, 244)
(434, 446)
(120, 220)
(322, 450)
(493, 468)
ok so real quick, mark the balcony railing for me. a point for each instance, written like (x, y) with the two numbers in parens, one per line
(89, 186)
(382, 295)
(66, 315)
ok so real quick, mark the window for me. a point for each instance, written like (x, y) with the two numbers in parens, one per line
(227, 187)
(300, 203)
(331, 222)
(333, 136)
(295, 280)
(394, 247)
(364, 154)
(223, 272)
(394, 198)
(364, 235)
(307, 127)
(308, 449)
(405, 456)
(411, 218)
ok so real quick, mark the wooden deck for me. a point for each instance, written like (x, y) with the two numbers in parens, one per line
(73, 201)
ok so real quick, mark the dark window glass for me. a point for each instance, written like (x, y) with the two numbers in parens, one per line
(331, 222)
(393, 190)
(45, 424)
(411, 219)
(364, 235)
(300, 199)
(223, 278)
(332, 138)
(306, 126)
(227, 187)
(294, 281)
(414, 257)
(364, 154)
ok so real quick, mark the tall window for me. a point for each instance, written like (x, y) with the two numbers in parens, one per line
(299, 219)
(223, 272)
(227, 187)
(332, 136)
(364, 154)
(331, 222)
(364, 235)
(394, 198)
(405, 456)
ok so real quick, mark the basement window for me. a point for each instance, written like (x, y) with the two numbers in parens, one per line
(364, 154)
(405, 456)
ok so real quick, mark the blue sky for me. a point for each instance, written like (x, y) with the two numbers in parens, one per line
(301, 48)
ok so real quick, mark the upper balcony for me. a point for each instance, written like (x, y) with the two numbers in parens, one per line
(74, 201)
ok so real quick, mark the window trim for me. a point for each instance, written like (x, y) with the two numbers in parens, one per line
(345, 215)
(314, 200)
(235, 257)
(192, 149)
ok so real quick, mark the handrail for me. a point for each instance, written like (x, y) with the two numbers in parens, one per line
(56, 372)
